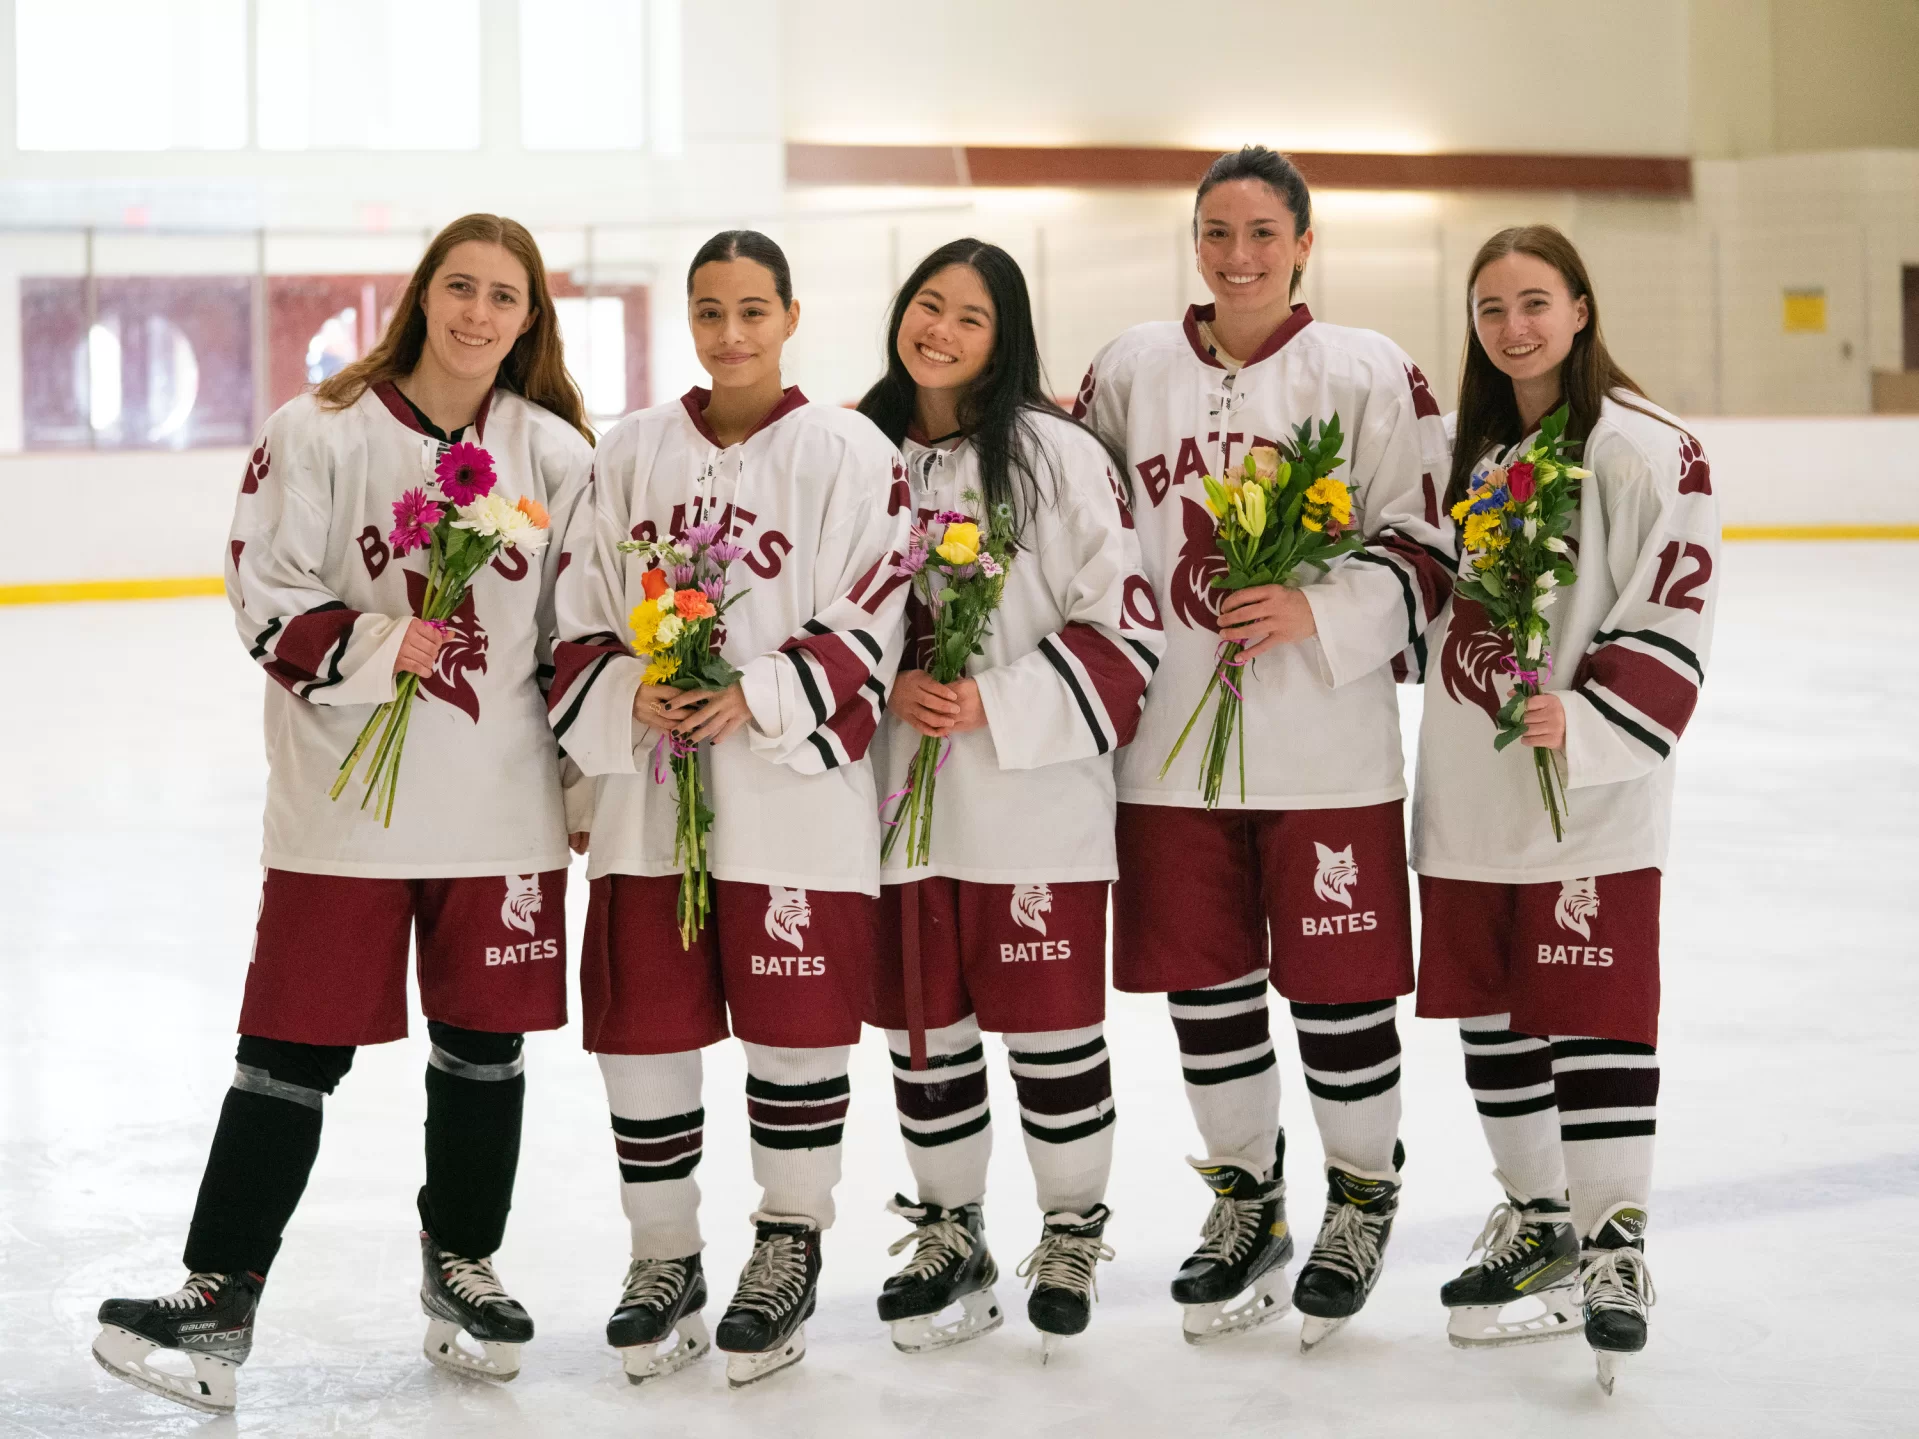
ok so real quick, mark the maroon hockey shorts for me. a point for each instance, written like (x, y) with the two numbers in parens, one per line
(1205, 896)
(1576, 956)
(1024, 958)
(329, 955)
(791, 966)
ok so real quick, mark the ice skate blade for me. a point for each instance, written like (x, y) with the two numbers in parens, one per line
(1478, 1326)
(980, 1315)
(495, 1362)
(1209, 1323)
(745, 1369)
(123, 1354)
(1049, 1345)
(1315, 1331)
(1610, 1364)
(646, 1361)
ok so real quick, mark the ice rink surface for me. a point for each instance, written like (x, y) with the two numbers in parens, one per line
(1785, 1223)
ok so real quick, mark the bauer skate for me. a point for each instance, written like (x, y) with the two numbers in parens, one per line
(950, 1265)
(764, 1329)
(1060, 1273)
(662, 1299)
(204, 1330)
(474, 1327)
(1528, 1256)
(1246, 1248)
(1616, 1289)
(1344, 1266)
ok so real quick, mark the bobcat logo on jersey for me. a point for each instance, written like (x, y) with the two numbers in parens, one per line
(1424, 405)
(1695, 475)
(1338, 873)
(1469, 665)
(788, 911)
(522, 901)
(463, 654)
(1578, 904)
(258, 465)
(1031, 904)
(1195, 601)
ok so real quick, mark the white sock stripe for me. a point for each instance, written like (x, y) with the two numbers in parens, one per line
(1614, 1115)
(1486, 1024)
(1189, 1013)
(1223, 1061)
(943, 1075)
(1057, 1071)
(945, 1121)
(1346, 1026)
(1353, 1076)
(1508, 1096)
(1604, 1061)
(1068, 1120)
(1051, 1041)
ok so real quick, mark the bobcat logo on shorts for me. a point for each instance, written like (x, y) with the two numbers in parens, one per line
(522, 901)
(1338, 873)
(788, 911)
(1031, 904)
(1578, 903)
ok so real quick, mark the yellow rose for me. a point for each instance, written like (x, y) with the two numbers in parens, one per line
(961, 544)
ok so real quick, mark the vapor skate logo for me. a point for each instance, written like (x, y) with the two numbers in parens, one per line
(463, 654)
(1031, 904)
(788, 911)
(522, 901)
(1578, 904)
(1338, 872)
(1469, 663)
(1195, 601)
(1424, 404)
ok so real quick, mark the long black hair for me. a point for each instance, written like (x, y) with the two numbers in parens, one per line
(996, 411)
(746, 245)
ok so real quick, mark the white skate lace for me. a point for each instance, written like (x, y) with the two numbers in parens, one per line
(1065, 1261)
(1349, 1242)
(471, 1279)
(942, 1243)
(198, 1292)
(774, 1277)
(1617, 1279)
(1230, 1228)
(653, 1283)
(1498, 1242)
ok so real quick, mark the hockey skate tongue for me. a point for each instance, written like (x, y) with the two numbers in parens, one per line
(1355, 1190)
(1228, 1181)
(1624, 1228)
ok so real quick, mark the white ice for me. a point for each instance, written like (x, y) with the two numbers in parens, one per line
(1785, 1221)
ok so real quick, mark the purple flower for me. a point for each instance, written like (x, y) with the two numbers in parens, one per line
(714, 590)
(682, 576)
(990, 567)
(465, 473)
(724, 552)
(953, 517)
(698, 537)
(914, 562)
(966, 572)
(414, 517)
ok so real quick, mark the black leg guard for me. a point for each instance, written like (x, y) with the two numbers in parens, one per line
(475, 1091)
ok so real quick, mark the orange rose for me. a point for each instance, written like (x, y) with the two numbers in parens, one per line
(534, 511)
(693, 605)
(653, 584)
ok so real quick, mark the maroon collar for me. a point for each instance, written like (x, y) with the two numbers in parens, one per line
(696, 400)
(397, 406)
(1300, 318)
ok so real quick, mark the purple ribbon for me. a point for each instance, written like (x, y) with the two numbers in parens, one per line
(1510, 665)
(1223, 663)
(681, 749)
(907, 788)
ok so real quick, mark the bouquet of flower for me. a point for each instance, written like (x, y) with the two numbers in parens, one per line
(1513, 524)
(1279, 513)
(462, 527)
(676, 630)
(959, 573)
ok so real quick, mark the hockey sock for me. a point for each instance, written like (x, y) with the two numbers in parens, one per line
(475, 1091)
(944, 1116)
(659, 1134)
(1511, 1077)
(796, 1111)
(1065, 1085)
(1232, 1078)
(1350, 1053)
(1608, 1095)
(263, 1151)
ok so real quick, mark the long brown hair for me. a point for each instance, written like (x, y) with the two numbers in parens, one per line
(1488, 409)
(534, 369)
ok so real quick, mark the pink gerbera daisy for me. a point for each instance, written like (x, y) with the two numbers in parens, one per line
(465, 473)
(414, 517)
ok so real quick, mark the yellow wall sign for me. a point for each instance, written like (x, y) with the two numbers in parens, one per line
(1805, 312)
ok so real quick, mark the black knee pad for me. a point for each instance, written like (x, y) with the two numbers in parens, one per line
(310, 1066)
(475, 1046)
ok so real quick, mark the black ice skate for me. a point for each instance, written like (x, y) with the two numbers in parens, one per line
(1344, 1265)
(1528, 1262)
(204, 1329)
(662, 1298)
(1616, 1288)
(1247, 1247)
(764, 1329)
(462, 1298)
(1060, 1274)
(950, 1265)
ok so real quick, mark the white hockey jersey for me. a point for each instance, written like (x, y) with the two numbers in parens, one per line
(321, 603)
(1630, 642)
(1073, 644)
(818, 499)
(1322, 723)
